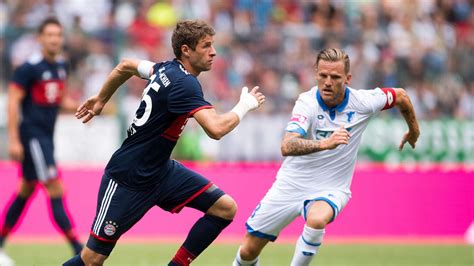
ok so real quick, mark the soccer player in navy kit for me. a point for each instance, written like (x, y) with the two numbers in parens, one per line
(37, 92)
(140, 173)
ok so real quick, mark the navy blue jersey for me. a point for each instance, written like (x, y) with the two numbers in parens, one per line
(170, 98)
(43, 83)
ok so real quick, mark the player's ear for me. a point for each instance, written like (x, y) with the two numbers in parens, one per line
(185, 50)
(348, 78)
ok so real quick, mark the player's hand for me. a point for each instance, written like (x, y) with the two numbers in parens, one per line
(411, 137)
(90, 108)
(255, 93)
(338, 137)
(15, 150)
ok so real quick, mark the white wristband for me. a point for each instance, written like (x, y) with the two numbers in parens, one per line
(240, 109)
(247, 103)
(145, 68)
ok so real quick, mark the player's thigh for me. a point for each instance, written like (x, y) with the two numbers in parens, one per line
(323, 207)
(252, 246)
(38, 163)
(271, 216)
(185, 188)
(118, 209)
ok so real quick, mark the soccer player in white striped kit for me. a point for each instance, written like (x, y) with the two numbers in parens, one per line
(320, 145)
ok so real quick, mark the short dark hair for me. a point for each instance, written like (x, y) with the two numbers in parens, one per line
(189, 32)
(46, 22)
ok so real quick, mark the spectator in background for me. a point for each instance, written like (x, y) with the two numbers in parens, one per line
(37, 92)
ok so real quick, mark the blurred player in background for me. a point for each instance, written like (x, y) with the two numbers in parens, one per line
(36, 94)
(321, 143)
(140, 173)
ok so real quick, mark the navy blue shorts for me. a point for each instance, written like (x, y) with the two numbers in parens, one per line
(38, 163)
(119, 207)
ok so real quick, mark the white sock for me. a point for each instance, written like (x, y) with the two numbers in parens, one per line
(307, 246)
(238, 261)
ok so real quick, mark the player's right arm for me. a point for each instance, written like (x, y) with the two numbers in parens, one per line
(294, 144)
(119, 75)
(218, 125)
(15, 96)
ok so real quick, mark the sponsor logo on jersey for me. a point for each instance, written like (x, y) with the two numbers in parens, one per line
(298, 118)
(323, 134)
(320, 117)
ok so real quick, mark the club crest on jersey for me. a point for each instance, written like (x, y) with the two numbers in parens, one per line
(46, 75)
(350, 115)
(110, 228)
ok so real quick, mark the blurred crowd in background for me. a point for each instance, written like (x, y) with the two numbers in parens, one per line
(425, 46)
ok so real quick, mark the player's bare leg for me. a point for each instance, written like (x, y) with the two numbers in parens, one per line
(55, 192)
(250, 250)
(92, 258)
(206, 230)
(318, 216)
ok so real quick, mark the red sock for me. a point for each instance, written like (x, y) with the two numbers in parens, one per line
(183, 257)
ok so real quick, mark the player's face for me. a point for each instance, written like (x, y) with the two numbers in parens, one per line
(51, 39)
(202, 57)
(332, 81)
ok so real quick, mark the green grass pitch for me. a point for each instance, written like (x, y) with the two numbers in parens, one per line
(37, 254)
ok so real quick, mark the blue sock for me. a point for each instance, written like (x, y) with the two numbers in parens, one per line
(201, 235)
(63, 221)
(74, 261)
(12, 216)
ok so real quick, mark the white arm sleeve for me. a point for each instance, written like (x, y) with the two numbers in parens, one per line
(300, 117)
(145, 68)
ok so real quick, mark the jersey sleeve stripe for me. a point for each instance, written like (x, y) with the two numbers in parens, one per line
(200, 108)
(294, 127)
(181, 206)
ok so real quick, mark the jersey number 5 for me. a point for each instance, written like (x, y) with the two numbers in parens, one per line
(137, 122)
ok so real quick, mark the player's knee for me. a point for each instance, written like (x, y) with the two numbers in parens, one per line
(317, 222)
(225, 207)
(91, 257)
(248, 252)
(54, 188)
(26, 189)
(229, 208)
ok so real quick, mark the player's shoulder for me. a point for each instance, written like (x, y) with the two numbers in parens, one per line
(35, 59)
(309, 96)
(364, 99)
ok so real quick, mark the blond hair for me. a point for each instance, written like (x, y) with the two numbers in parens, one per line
(334, 55)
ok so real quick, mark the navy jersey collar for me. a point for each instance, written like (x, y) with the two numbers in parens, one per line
(340, 107)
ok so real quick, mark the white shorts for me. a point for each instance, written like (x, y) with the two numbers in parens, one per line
(282, 205)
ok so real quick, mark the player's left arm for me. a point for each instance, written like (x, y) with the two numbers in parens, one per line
(119, 75)
(403, 103)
